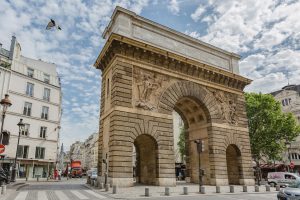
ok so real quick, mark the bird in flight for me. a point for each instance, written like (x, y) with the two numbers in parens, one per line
(52, 24)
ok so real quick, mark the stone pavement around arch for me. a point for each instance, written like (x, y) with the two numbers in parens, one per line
(137, 192)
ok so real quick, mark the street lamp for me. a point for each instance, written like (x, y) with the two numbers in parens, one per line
(288, 146)
(21, 126)
(200, 149)
(5, 103)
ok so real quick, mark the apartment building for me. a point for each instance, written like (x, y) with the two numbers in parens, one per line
(289, 97)
(34, 89)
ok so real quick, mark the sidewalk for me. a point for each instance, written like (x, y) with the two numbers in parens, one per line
(193, 190)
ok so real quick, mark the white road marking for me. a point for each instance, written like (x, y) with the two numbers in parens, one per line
(21, 196)
(95, 194)
(42, 195)
(79, 195)
(61, 195)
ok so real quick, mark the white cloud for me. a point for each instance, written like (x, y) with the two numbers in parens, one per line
(198, 13)
(173, 7)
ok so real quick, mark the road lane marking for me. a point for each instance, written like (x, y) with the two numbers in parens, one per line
(21, 195)
(42, 195)
(95, 194)
(61, 195)
(79, 195)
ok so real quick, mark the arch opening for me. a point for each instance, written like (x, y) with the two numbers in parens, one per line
(146, 162)
(233, 160)
(190, 122)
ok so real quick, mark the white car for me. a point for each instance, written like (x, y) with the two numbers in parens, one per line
(94, 175)
(282, 178)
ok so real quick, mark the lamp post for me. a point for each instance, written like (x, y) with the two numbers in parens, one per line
(21, 126)
(288, 146)
(5, 104)
(200, 149)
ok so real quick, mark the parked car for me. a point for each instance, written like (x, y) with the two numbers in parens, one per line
(290, 193)
(282, 178)
(94, 175)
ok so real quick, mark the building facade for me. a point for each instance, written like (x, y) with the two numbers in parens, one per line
(77, 152)
(91, 151)
(34, 89)
(289, 97)
(148, 71)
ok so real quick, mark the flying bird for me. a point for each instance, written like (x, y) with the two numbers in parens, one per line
(52, 24)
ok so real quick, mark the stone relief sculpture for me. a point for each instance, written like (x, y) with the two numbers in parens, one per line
(149, 85)
(226, 105)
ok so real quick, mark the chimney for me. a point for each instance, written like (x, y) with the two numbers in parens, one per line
(12, 47)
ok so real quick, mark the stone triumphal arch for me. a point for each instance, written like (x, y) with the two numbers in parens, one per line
(148, 71)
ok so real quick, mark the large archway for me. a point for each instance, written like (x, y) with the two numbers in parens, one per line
(233, 160)
(148, 71)
(146, 159)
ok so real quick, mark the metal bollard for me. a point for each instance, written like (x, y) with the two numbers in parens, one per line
(26, 178)
(277, 187)
(231, 189)
(267, 188)
(114, 189)
(147, 194)
(245, 189)
(218, 189)
(202, 190)
(101, 186)
(106, 187)
(256, 188)
(3, 189)
(185, 190)
(92, 182)
(167, 191)
(96, 183)
(38, 178)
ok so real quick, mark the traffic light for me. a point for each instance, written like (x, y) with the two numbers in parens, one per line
(200, 145)
(5, 137)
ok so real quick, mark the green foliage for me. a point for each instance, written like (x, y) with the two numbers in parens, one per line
(181, 142)
(269, 127)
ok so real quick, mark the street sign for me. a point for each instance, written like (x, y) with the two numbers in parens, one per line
(292, 165)
(2, 148)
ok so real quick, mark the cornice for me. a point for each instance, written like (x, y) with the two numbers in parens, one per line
(120, 45)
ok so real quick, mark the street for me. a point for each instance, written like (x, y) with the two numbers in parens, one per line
(65, 190)
(76, 189)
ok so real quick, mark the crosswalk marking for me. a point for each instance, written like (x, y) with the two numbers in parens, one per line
(21, 196)
(95, 194)
(79, 195)
(42, 195)
(61, 195)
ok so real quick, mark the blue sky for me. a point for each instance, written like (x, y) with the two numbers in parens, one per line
(265, 33)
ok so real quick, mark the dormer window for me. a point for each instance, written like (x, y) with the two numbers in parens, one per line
(30, 72)
(46, 78)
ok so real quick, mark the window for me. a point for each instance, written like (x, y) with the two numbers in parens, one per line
(45, 111)
(22, 151)
(43, 132)
(40, 152)
(25, 132)
(46, 78)
(30, 72)
(29, 89)
(46, 94)
(27, 109)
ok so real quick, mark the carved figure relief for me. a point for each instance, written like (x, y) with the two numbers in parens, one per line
(148, 85)
(227, 106)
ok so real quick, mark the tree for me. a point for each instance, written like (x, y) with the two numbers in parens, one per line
(269, 127)
(181, 143)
